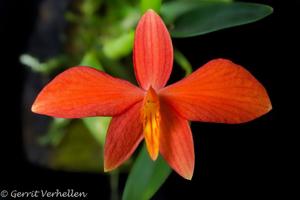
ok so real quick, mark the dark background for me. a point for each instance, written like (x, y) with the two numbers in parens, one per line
(232, 161)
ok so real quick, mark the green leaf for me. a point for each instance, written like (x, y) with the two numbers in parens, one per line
(150, 4)
(130, 19)
(55, 133)
(78, 151)
(91, 59)
(41, 67)
(98, 127)
(146, 177)
(183, 62)
(226, 1)
(89, 7)
(119, 47)
(173, 9)
(216, 16)
(218, 0)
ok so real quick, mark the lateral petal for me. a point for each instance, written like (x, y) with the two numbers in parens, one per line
(124, 134)
(221, 92)
(84, 92)
(153, 52)
(176, 142)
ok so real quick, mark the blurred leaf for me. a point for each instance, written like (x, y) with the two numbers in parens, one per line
(146, 177)
(71, 17)
(98, 127)
(55, 132)
(78, 151)
(183, 62)
(119, 47)
(89, 7)
(225, 1)
(90, 59)
(131, 18)
(215, 16)
(173, 9)
(35, 65)
(218, 0)
(150, 4)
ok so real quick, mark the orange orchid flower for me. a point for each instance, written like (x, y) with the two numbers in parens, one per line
(220, 92)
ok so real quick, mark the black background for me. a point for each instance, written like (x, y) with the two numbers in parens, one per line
(232, 161)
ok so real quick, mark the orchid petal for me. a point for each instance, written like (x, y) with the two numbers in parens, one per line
(176, 142)
(153, 52)
(124, 134)
(84, 92)
(221, 92)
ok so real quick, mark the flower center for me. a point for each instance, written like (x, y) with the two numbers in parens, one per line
(151, 122)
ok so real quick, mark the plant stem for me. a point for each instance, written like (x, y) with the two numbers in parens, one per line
(114, 183)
